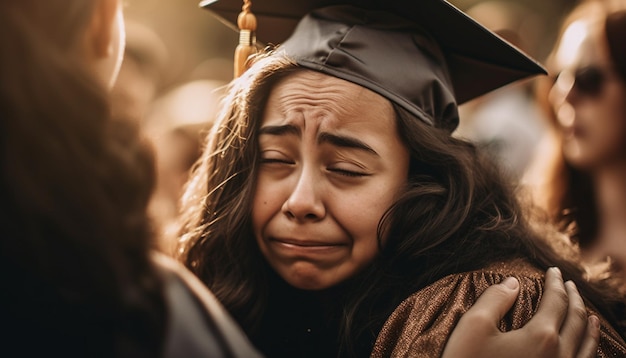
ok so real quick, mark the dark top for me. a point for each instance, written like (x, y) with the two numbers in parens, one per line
(297, 323)
(198, 325)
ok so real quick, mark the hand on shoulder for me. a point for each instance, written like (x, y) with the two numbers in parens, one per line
(560, 328)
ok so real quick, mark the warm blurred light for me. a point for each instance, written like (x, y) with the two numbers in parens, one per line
(566, 115)
(570, 42)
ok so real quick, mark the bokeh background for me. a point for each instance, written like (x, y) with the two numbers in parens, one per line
(200, 46)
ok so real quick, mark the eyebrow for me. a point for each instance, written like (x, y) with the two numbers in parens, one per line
(280, 130)
(345, 142)
(325, 137)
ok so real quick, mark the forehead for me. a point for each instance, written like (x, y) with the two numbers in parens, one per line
(582, 44)
(319, 95)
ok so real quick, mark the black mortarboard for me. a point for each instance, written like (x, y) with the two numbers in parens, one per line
(396, 48)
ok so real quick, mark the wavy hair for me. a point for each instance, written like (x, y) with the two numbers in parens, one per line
(75, 185)
(456, 214)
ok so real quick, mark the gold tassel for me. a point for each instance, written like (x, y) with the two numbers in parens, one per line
(247, 38)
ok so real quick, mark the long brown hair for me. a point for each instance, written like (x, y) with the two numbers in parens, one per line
(75, 185)
(456, 214)
(216, 240)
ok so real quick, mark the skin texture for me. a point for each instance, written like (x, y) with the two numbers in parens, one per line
(328, 173)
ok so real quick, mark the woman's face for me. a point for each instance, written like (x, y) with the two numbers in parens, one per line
(589, 99)
(331, 164)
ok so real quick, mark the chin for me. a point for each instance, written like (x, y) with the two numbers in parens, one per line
(309, 281)
(583, 163)
(308, 284)
(574, 155)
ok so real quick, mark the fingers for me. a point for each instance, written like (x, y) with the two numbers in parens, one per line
(495, 302)
(473, 335)
(575, 325)
(591, 340)
(544, 327)
(560, 328)
(491, 306)
(561, 323)
(554, 304)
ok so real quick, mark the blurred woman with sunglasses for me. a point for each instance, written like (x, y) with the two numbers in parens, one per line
(579, 178)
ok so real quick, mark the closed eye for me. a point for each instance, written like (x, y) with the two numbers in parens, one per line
(347, 173)
(275, 160)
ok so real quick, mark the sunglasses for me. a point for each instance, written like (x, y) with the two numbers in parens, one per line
(587, 81)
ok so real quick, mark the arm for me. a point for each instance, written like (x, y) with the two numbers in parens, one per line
(560, 327)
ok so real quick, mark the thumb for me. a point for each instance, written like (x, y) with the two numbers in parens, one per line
(481, 321)
(495, 301)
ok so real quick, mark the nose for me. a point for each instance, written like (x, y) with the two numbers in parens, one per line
(562, 88)
(562, 98)
(305, 203)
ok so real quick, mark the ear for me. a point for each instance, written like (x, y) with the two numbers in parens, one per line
(101, 27)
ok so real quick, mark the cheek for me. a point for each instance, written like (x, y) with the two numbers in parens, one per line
(262, 207)
(360, 222)
(269, 197)
(361, 215)
(609, 122)
(603, 140)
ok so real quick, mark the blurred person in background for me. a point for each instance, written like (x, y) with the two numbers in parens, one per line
(79, 275)
(177, 124)
(173, 116)
(578, 178)
(142, 73)
(507, 122)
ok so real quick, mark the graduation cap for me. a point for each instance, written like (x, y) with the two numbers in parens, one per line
(425, 55)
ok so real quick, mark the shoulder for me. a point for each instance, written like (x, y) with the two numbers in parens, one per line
(198, 325)
(422, 323)
(470, 285)
(455, 294)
